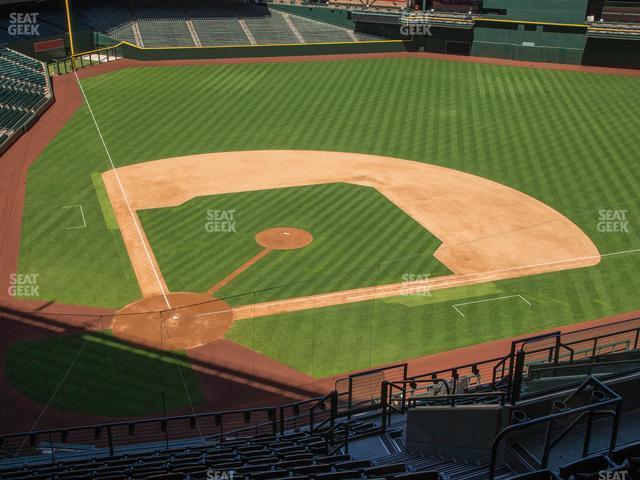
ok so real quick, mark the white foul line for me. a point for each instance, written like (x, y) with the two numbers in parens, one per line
(455, 307)
(140, 236)
(124, 195)
(84, 221)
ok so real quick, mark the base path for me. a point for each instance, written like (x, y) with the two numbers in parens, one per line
(488, 231)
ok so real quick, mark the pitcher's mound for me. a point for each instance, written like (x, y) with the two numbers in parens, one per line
(194, 319)
(284, 238)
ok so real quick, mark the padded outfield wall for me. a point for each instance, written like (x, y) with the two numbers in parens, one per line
(529, 42)
(558, 11)
(532, 38)
(192, 53)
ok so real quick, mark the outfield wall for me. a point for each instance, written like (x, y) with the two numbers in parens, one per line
(529, 42)
(552, 44)
(194, 53)
(560, 11)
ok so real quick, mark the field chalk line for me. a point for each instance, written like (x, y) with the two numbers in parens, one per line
(84, 220)
(124, 194)
(140, 236)
(455, 306)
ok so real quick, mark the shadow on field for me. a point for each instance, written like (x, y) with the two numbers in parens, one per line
(65, 369)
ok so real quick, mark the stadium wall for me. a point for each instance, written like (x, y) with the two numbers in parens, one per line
(83, 40)
(448, 40)
(612, 53)
(193, 53)
(563, 11)
(530, 42)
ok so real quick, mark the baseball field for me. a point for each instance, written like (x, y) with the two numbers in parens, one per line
(332, 216)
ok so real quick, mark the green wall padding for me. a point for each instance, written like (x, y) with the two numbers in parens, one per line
(539, 43)
(265, 50)
(558, 11)
(493, 50)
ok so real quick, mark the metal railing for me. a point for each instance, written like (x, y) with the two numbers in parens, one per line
(506, 372)
(334, 442)
(162, 432)
(601, 397)
(399, 397)
(360, 392)
(380, 391)
(312, 414)
(69, 64)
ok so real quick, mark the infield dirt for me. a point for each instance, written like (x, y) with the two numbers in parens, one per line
(488, 231)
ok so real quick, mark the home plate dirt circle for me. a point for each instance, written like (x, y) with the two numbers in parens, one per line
(284, 238)
(194, 319)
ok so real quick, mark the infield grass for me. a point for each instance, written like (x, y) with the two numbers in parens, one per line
(568, 139)
(349, 249)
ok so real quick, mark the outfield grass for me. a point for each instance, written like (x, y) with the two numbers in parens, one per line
(361, 335)
(358, 238)
(97, 374)
(568, 139)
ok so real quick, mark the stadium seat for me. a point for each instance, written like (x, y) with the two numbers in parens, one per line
(624, 452)
(592, 464)
(385, 470)
(24, 92)
(535, 475)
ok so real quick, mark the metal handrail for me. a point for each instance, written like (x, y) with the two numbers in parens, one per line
(295, 407)
(332, 397)
(272, 412)
(111, 51)
(330, 436)
(561, 369)
(613, 400)
(451, 399)
(402, 386)
(95, 430)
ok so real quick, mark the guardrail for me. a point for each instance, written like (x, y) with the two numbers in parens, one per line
(401, 396)
(163, 432)
(601, 397)
(360, 392)
(506, 372)
(69, 64)
(312, 414)
(379, 391)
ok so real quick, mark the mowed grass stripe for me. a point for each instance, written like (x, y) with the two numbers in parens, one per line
(343, 254)
(568, 139)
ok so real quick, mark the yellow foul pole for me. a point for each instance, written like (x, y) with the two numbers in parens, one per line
(73, 50)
